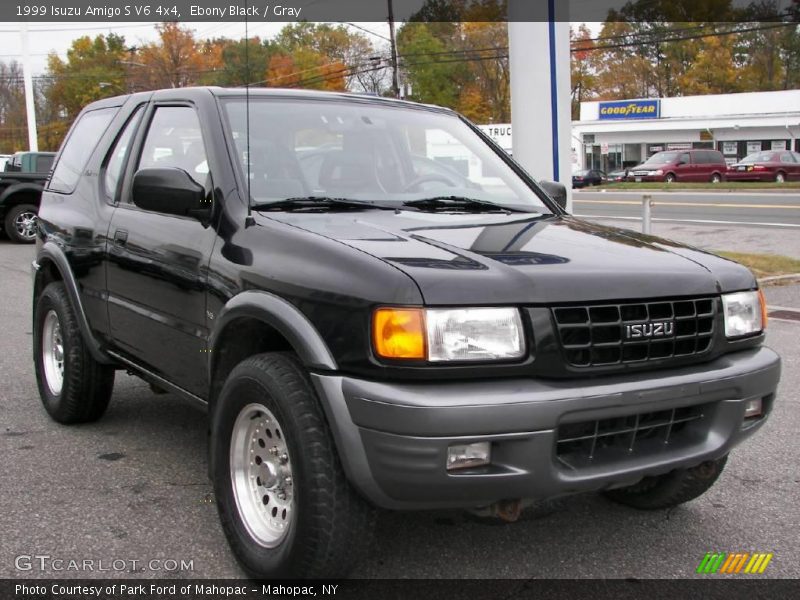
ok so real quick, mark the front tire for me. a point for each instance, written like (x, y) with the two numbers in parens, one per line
(74, 387)
(670, 178)
(285, 504)
(671, 489)
(716, 178)
(20, 223)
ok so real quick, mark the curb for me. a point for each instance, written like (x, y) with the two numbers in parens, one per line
(780, 278)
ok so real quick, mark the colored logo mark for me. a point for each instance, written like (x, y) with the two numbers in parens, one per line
(734, 562)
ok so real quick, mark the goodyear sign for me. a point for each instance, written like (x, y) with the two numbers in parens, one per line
(630, 109)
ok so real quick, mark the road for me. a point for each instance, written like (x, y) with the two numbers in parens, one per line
(781, 210)
(133, 486)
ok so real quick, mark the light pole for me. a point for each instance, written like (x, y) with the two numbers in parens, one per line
(30, 105)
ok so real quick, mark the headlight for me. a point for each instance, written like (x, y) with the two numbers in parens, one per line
(745, 313)
(438, 335)
(658, 172)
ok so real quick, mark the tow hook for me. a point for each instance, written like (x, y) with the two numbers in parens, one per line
(505, 510)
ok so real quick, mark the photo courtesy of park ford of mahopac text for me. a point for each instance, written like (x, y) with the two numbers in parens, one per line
(426, 299)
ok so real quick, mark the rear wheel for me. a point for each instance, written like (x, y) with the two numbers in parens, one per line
(74, 387)
(670, 178)
(283, 499)
(716, 178)
(780, 177)
(20, 223)
(671, 489)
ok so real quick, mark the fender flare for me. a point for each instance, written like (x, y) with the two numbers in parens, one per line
(20, 187)
(284, 317)
(50, 251)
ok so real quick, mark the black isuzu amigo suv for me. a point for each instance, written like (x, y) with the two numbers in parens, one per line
(380, 308)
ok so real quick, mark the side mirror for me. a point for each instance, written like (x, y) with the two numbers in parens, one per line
(557, 191)
(171, 191)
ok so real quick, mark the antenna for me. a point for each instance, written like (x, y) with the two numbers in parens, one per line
(249, 221)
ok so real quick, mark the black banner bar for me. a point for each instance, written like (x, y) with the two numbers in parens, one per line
(713, 587)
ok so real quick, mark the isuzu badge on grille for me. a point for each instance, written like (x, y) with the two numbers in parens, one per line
(650, 330)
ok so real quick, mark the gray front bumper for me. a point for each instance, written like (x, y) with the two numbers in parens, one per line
(393, 437)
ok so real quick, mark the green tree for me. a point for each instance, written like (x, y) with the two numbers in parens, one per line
(93, 70)
(431, 80)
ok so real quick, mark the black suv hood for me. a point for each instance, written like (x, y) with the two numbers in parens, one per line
(520, 258)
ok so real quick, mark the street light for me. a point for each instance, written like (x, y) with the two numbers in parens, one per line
(106, 84)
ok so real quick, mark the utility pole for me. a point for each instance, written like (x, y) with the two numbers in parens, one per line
(30, 105)
(393, 43)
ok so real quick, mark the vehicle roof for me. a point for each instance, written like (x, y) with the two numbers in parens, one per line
(289, 93)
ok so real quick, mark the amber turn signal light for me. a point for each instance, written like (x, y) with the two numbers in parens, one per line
(763, 300)
(399, 333)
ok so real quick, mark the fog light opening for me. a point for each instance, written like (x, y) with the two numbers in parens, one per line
(753, 408)
(466, 456)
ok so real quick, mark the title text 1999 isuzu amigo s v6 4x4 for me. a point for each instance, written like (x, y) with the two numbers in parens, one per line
(380, 308)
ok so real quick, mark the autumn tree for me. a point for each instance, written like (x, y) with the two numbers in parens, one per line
(174, 61)
(323, 56)
(583, 68)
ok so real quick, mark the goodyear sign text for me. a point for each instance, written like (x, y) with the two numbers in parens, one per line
(630, 109)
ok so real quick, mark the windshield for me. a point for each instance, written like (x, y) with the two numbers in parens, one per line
(759, 157)
(662, 158)
(361, 151)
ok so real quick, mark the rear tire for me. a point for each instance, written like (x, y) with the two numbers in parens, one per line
(74, 387)
(671, 489)
(780, 177)
(670, 178)
(20, 223)
(267, 425)
(716, 178)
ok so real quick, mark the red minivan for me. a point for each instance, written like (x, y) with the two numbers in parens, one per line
(682, 165)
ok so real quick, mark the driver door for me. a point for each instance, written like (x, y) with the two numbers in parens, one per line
(157, 263)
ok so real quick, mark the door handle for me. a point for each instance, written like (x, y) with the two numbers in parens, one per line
(120, 237)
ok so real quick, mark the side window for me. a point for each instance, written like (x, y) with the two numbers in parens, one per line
(684, 158)
(82, 139)
(115, 161)
(174, 139)
(786, 157)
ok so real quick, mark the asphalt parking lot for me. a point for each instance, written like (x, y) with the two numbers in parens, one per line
(133, 487)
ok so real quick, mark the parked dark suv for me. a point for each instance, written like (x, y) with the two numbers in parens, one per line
(407, 321)
(682, 165)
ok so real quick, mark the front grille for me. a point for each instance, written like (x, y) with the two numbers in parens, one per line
(641, 173)
(608, 440)
(637, 332)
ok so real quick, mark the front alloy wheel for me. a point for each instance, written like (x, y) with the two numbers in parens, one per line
(284, 501)
(261, 475)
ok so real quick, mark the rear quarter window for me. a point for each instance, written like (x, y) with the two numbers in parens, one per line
(80, 143)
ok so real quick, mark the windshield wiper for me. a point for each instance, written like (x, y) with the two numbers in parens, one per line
(459, 202)
(324, 202)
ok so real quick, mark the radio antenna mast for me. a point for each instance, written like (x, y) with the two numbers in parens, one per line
(249, 221)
